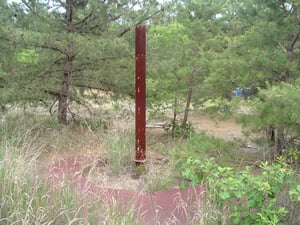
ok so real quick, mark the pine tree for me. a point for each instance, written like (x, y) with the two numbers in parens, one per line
(78, 44)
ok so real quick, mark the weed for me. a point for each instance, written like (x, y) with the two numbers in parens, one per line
(160, 177)
(27, 199)
(120, 148)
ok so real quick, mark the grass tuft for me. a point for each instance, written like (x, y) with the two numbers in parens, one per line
(120, 149)
(27, 198)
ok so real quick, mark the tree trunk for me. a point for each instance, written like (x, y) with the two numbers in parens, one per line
(175, 110)
(277, 140)
(290, 52)
(63, 98)
(280, 141)
(270, 133)
(187, 106)
(68, 67)
(174, 118)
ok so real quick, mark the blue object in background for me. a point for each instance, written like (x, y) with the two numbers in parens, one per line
(238, 92)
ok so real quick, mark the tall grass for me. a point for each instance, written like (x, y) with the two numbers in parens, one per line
(120, 150)
(27, 198)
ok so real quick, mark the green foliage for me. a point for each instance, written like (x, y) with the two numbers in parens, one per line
(251, 199)
(168, 69)
(279, 107)
(27, 56)
(180, 130)
(295, 193)
(257, 46)
(201, 146)
(219, 105)
(88, 41)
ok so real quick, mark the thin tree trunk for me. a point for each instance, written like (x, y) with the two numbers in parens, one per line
(280, 141)
(277, 142)
(63, 98)
(174, 118)
(270, 134)
(175, 111)
(290, 52)
(188, 104)
(67, 75)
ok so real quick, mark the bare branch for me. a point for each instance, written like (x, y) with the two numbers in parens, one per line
(92, 87)
(291, 47)
(51, 107)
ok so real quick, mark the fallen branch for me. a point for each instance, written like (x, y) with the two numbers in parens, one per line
(158, 125)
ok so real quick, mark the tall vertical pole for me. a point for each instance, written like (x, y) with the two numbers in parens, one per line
(140, 95)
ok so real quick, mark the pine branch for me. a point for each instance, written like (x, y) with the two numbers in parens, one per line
(92, 87)
(291, 47)
(53, 48)
(83, 20)
(140, 22)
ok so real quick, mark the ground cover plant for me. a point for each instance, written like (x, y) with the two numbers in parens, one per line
(27, 140)
(27, 197)
(248, 198)
(66, 72)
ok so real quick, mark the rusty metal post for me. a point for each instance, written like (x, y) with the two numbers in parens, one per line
(140, 95)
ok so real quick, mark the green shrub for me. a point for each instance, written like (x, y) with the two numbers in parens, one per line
(251, 199)
(280, 107)
(295, 192)
(179, 130)
(277, 113)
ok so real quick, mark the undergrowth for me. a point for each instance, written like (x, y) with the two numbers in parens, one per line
(27, 198)
(269, 197)
(233, 196)
(201, 146)
(120, 151)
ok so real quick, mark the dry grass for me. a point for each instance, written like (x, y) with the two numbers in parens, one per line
(27, 198)
(33, 142)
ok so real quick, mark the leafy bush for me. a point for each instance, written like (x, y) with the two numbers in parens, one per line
(295, 192)
(180, 130)
(250, 199)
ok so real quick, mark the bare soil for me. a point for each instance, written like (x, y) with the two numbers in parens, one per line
(227, 129)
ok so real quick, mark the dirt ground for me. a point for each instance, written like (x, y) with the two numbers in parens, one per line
(227, 129)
